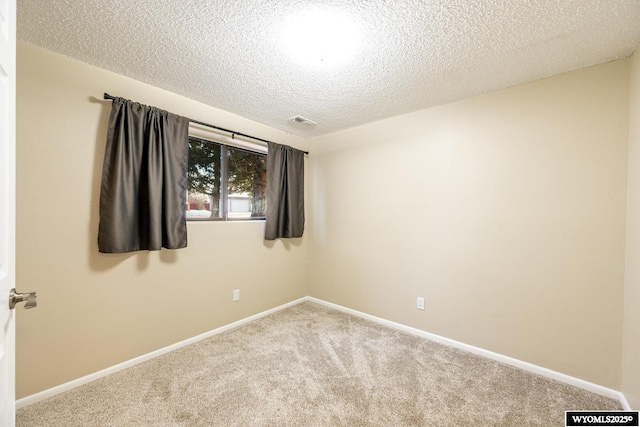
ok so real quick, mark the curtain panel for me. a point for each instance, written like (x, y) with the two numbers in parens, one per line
(285, 192)
(144, 180)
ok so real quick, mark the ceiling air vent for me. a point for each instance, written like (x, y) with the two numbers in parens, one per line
(300, 119)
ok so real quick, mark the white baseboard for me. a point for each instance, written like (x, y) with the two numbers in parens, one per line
(624, 402)
(577, 382)
(26, 401)
(586, 385)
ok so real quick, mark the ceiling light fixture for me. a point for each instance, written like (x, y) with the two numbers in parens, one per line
(317, 36)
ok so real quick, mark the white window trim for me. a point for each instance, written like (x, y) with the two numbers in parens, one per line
(197, 130)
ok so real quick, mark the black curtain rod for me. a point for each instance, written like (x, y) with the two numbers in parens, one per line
(233, 133)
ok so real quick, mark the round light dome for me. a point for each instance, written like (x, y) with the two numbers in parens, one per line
(324, 37)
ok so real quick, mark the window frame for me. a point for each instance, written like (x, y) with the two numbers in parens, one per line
(209, 135)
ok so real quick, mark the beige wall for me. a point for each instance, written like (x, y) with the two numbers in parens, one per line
(506, 212)
(631, 355)
(97, 310)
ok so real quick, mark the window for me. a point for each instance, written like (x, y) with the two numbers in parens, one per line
(224, 182)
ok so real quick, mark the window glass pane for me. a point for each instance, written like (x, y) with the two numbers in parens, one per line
(247, 184)
(203, 180)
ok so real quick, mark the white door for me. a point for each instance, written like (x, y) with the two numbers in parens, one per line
(7, 208)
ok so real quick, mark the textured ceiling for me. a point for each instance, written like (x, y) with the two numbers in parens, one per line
(411, 54)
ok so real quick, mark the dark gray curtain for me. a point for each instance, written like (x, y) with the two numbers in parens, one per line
(142, 199)
(285, 192)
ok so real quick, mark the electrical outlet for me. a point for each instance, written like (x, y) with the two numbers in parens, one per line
(420, 303)
(236, 294)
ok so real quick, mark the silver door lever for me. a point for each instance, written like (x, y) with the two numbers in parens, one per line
(29, 297)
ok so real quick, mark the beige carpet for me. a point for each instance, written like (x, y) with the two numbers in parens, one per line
(312, 366)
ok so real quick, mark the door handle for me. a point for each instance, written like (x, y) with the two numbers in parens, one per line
(16, 297)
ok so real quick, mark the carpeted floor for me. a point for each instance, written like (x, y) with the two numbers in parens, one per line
(309, 365)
